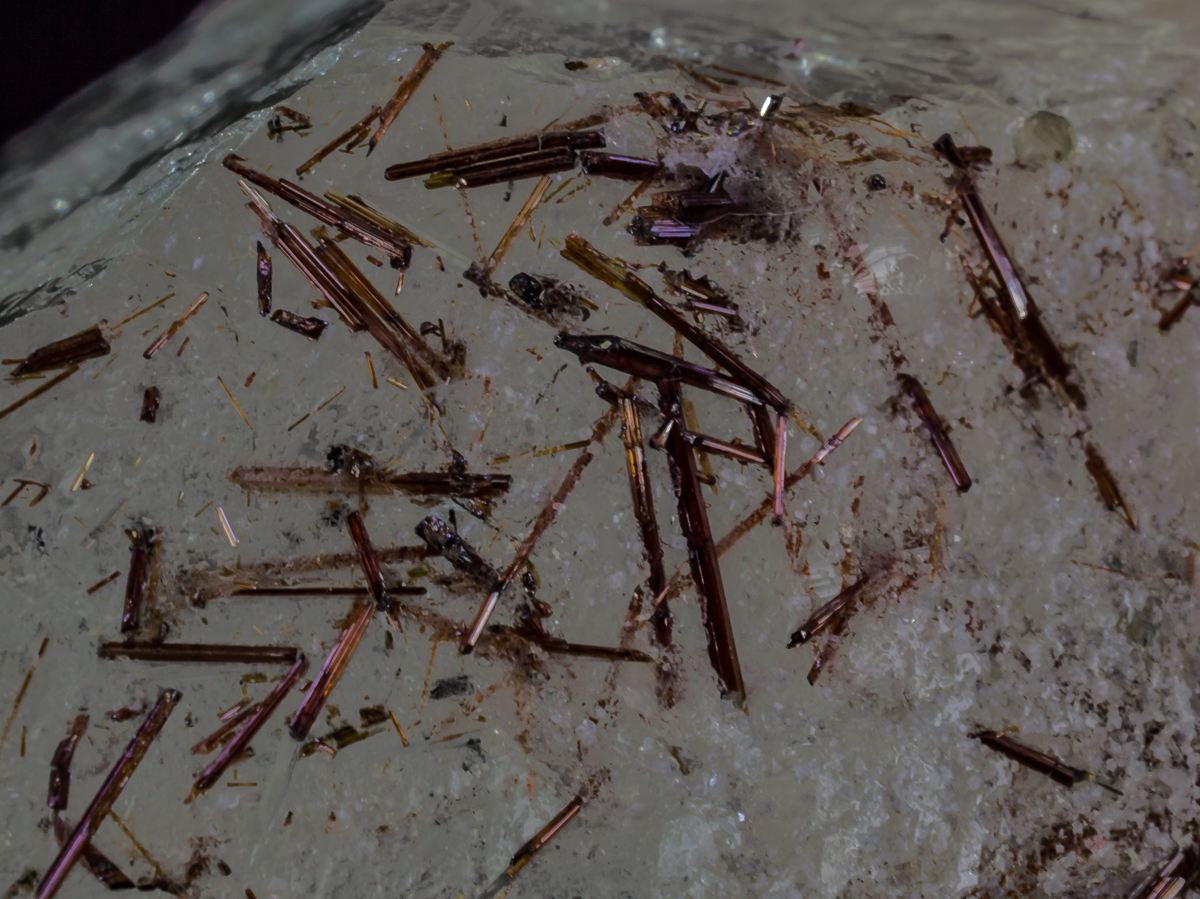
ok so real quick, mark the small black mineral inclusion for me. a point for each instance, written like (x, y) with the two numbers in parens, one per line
(450, 686)
(877, 182)
(527, 287)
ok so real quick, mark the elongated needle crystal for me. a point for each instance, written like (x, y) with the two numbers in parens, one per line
(209, 775)
(645, 362)
(616, 274)
(38, 391)
(174, 327)
(60, 765)
(495, 155)
(229, 654)
(229, 535)
(759, 515)
(1110, 493)
(624, 168)
(407, 87)
(539, 191)
(826, 653)
(1035, 759)
(824, 616)
(79, 477)
(544, 520)
(702, 553)
(558, 646)
(531, 848)
(985, 230)
(780, 464)
(109, 792)
(321, 590)
(229, 394)
(737, 451)
(137, 582)
(331, 671)
(370, 480)
(937, 431)
(214, 740)
(1170, 880)
(354, 134)
(643, 510)
(370, 562)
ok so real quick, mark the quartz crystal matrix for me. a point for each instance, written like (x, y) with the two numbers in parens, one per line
(473, 398)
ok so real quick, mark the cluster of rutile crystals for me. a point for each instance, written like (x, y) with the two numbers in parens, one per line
(650, 408)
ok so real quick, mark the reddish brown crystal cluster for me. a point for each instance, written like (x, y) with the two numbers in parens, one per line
(652, 409)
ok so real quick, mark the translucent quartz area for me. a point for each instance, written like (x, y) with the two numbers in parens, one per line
(1024, 602)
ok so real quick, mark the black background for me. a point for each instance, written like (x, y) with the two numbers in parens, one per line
(49, 49)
